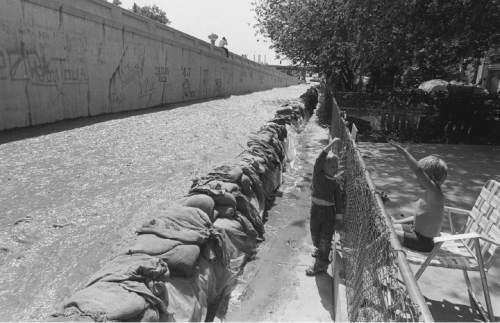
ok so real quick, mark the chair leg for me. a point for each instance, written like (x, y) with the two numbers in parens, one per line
(474, 301)
(428, 260)
(484, 281)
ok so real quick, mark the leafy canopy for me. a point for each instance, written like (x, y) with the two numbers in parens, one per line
(153, 12)
(382, 39)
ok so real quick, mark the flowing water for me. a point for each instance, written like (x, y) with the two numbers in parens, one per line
(72, 197)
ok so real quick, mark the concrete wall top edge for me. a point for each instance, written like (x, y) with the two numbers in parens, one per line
(161, 32)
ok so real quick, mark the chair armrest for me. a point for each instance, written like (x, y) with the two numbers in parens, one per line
(462, 236)
(490, 240)
(455, 210)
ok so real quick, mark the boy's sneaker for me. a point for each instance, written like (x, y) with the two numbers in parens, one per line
(315, 252)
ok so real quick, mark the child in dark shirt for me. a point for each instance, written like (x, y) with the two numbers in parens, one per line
(326, 193)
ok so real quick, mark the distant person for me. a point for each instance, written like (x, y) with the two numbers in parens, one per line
(223, 44)
(417, 231)
(326, 197)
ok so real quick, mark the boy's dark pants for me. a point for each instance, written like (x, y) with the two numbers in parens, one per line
(322, 226)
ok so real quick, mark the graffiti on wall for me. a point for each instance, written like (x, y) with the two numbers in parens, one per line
(50, 67)
(146, 88)
(130, 77)
(29, 65)
(204, 82)
(218, 86)
(187, 91)
(162, 73)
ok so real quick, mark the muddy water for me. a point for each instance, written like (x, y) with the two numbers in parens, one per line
(70, 199)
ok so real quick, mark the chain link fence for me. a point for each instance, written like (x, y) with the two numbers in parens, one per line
(379, 284)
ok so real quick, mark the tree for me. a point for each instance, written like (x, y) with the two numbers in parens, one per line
(153, 12)
(383, 39)
(117, 2)
(213, 37)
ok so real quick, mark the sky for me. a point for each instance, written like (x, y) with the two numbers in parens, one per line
(233, 19)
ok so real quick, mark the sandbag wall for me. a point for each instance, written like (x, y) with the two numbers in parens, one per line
(184, 263)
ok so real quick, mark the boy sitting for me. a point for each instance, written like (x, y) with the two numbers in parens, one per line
(326, 191)
(417, 231)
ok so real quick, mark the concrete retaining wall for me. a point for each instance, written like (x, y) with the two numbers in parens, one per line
(68, 59)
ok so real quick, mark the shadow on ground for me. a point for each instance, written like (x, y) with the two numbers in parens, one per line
(64, 125)
(445, 311)
(324, 284)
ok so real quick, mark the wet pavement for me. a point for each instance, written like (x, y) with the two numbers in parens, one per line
(470, 167)
(74, 192)
(274, 286)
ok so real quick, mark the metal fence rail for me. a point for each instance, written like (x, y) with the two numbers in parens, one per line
(380, 285)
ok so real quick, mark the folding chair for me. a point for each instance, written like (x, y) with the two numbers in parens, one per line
(473, 249)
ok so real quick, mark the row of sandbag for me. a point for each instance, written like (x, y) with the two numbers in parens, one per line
(184, 262)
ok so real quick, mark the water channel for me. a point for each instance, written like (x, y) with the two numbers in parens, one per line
(73, 193)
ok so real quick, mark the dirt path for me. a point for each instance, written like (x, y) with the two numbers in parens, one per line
(274, 287)
(72, 195)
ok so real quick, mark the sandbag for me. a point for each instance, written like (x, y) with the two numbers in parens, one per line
(269, 160)
(257, 186)
(280, 130)
(236, 233)
(251, 213)
(217, 190)
(187, 216)
(266, 149)
(186, 224)
(184, 301)
(271, 181)
(230, 187)
(256, 163)
(201, 201)
(237, 256)
(151, 315)
(182, 260)
(246, 185)
(286, 120)
(136, 267)
(152, 245)
(284, 112)
(217, 281)
(247, 227)
(227, 173)
(107, 301)
(226, 199)
(225, 211)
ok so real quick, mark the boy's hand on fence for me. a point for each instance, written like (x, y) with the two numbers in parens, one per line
(336, 140)
(333, 144)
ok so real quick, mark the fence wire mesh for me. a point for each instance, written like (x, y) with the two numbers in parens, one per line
(375, 288)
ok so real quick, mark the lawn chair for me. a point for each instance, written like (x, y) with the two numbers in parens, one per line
(473, 249)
